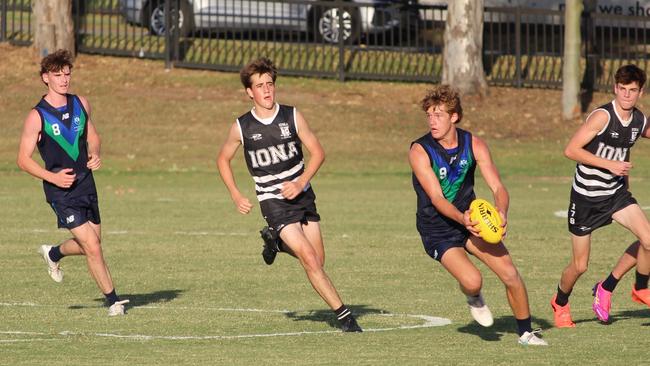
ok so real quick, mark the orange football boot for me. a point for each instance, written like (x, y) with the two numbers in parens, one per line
(562, 315)
(641, 296)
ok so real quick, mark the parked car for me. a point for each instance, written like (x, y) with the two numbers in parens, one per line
(314, 18)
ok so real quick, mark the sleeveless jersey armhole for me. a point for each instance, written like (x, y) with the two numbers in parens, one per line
(241, 134)
(609, 118)
(295, 120)
(40, 132)
(469, 144)
(426, 151)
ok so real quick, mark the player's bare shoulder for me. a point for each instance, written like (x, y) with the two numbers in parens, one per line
(84, 102)
(479, 147)
(597, 119)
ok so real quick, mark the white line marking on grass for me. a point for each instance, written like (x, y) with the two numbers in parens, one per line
(17, 332)
(20, 304)
(28, 340)
(429, 321)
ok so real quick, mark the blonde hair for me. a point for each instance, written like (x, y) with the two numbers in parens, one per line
(443, 95)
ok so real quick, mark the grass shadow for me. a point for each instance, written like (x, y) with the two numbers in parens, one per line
(503, 325)
(628, 314)
(615, 317)
(156, 297)
(327, 315)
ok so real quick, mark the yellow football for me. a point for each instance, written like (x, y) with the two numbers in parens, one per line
(489, 220)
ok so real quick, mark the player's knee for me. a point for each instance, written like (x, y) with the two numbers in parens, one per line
(472, 283)
(312, 263)
(92, 248)
(511, 278)
(580, 267)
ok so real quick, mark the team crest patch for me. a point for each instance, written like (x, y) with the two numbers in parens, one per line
(76, 124)
(635, 133)
(285, 133)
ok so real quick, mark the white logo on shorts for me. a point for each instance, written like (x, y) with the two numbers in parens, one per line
(435, 254)
(69, 219)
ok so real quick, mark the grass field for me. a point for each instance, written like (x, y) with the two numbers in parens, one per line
(199, 291)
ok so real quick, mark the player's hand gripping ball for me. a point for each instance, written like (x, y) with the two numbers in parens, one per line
(489, 220)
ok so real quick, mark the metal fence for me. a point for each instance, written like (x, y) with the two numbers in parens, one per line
(386, 40)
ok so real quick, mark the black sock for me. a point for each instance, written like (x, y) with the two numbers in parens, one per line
(524, 325)
(610, 283)
(342, 312)
(112, 298)
(562, 297)
(641, 281)
(474, 300)
(55, 253)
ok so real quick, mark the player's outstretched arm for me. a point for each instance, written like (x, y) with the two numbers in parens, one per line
(421, 166)
(316, 158)
(94, 142)
(491, 176)
(586, 132)
(224, 158)
(31, 130)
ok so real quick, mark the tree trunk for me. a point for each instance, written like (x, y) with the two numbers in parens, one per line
(53, 26)
(462, 55)
(571, 65)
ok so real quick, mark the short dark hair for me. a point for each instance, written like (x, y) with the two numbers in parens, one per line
(260, 66)
(630, 73)
(443, 95)
(56, 61)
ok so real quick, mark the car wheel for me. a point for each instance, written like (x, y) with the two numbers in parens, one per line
(157, 24)
(326, 26)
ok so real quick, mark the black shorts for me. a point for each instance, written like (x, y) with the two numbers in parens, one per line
(445, 236)
(74, 212)
(586, 216)
(280, 213)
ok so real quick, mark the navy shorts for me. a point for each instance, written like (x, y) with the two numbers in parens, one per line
(74, 212)
(585, 216)
(280, 213)
(436, 244)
